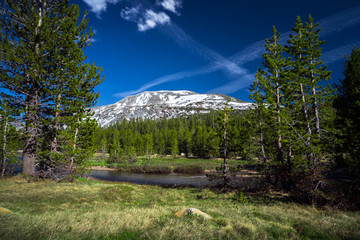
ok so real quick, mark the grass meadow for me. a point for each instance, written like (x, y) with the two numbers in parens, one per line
(89, 209)
(166, 164)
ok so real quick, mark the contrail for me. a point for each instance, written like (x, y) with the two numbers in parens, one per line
(329, 26)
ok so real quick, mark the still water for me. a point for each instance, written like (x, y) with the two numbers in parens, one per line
(198, 180)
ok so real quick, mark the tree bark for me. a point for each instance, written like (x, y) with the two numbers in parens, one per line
(3, 157)
(306, 116)
(226, 168)
(262, 138)
(315, 105)
(31, 130)
(278, 107)
(31, 104)
(54, 142)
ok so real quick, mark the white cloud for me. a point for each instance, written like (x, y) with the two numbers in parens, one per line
(170, 5)
(151, 19)
(99, 6)
(130, 14)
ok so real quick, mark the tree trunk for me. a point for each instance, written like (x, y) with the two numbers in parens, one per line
(278, 107)
(226, 168)
(3, 157)
(74, 146)
(31, 115)
(31, 130)
(54, 143)
(147, 156)
(262, 138)
(306, 116)
(315, 107)
(103, 150)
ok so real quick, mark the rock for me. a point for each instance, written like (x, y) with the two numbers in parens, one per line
(5, 210)
(187, 211)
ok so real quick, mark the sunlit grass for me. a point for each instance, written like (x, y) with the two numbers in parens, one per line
(96, 210)
(166, 164)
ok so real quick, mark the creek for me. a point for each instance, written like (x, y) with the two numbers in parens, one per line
(196, 180)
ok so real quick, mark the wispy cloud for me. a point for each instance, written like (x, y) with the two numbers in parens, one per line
(170, 5)
(336, 23)
(235, 85)
(169, 78)
(131, 14)
(94, 38)
(338, 54)
(329, 26)
(148, 16)
(191, 45)
(99, 6)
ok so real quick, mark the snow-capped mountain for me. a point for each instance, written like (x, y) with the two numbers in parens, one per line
(160, 104)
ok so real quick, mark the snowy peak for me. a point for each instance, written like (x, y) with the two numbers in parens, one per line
(164, 104)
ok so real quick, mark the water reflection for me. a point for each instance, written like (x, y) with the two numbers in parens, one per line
(153, 179)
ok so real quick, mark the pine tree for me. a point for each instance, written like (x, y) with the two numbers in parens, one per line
(347, 105)
(307, 71)
(269, 96)
(42, 68)
(293, 107)
(9, 137)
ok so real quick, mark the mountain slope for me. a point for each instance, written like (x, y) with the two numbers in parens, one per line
(160, 104)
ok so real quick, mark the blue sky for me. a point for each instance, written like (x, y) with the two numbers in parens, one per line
(206, 46)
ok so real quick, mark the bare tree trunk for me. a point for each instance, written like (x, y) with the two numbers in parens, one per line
(54, 142)
(315, 107)
(226, 168)
(74, 145)
(3, 157)
(262, 138)
(147, 156)
(103, 150)
(306, 116)
(279, 137)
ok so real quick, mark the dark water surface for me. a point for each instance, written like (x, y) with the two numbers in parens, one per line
(198, 180)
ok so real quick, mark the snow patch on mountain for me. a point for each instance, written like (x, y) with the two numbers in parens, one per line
(164, 104)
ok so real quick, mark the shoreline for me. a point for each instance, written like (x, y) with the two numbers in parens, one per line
(102, 168)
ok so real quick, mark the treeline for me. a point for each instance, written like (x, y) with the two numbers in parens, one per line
(195, 136)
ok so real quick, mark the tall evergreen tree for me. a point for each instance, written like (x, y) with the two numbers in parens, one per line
(293, 107)
(347, 105)
(42, 68)
(9, 136)
(307, 71)
(269, 94)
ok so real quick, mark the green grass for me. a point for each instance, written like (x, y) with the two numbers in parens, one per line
(88, 209)
(167, 164)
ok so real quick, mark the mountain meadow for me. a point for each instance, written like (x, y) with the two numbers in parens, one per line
(285, 166)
